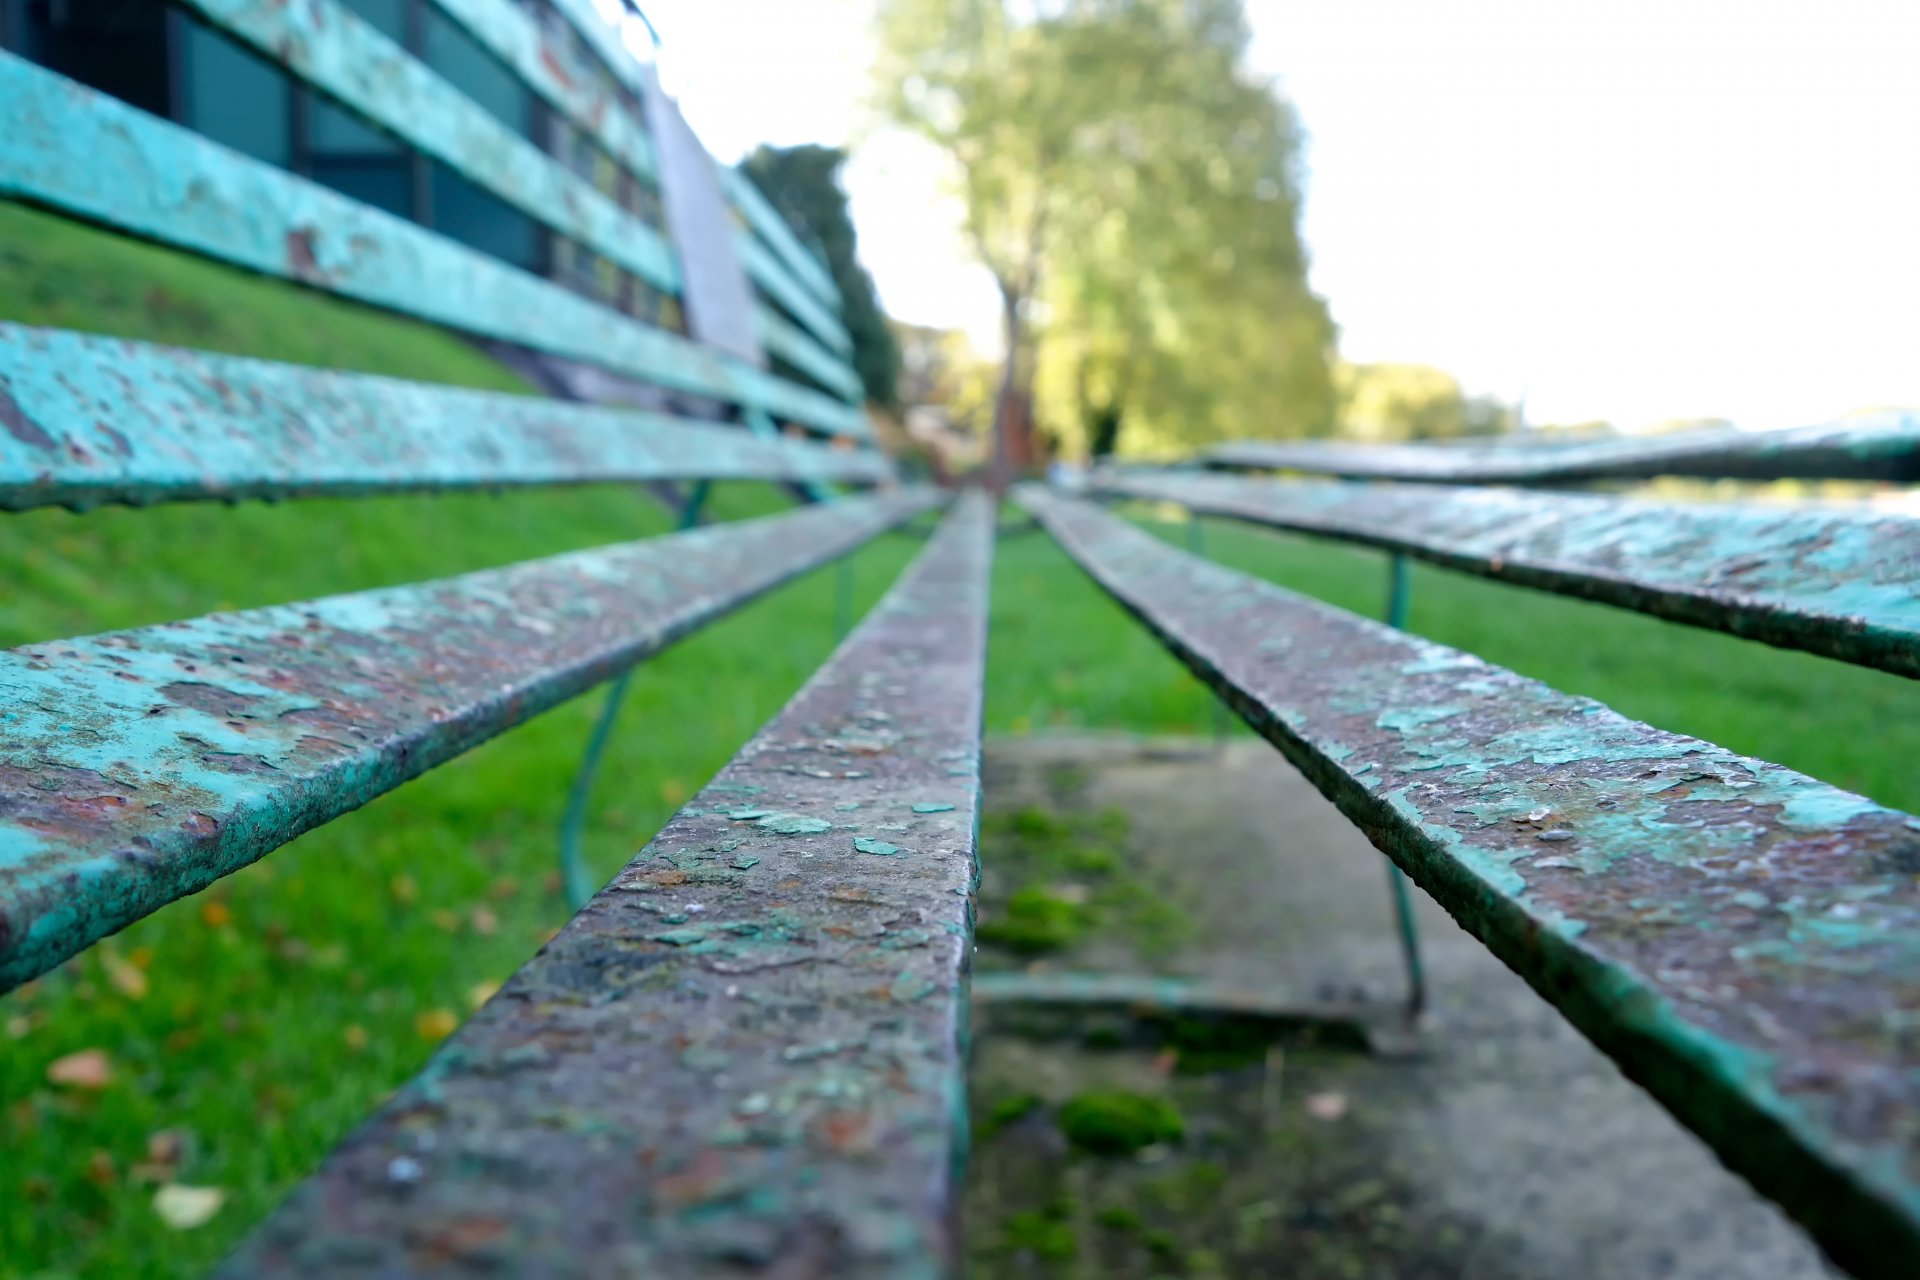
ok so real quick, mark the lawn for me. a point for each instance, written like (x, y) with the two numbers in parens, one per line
(246, 1029)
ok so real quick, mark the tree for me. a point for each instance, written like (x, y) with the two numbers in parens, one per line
(1131, 189)
(1391, 402)
(803, 183)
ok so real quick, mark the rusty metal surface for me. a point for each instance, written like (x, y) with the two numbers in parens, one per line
(1873, 447)
(745, 1056)
(139, 766)
(1833, 581)
(1743, 940)
(86, 420)
(85, 153)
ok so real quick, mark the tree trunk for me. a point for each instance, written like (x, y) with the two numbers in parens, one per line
(1007, 419)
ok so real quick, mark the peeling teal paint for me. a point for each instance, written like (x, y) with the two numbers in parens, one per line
(778, 1080)
(762, 218)
(89, 155)
(1841, 583)
(1883, 446)
(86, 420)
(143, 765)
(1615, 866)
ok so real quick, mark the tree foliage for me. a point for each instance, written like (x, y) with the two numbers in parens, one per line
(1392, 402)
(1132, 187)
(803, 183)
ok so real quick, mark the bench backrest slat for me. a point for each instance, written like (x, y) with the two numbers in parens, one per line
(86, 420)
(763, 1014)
(1741, 938)
(1813, 578)
(517, 40)
(1875, 447)
(328, 46)
(140, 766)
(80, 151)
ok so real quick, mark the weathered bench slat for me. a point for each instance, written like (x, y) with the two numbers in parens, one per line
(1834, 582)
(1744, 940)
(764, 219)
(86, 420)
(325, 44)
(517, 41)
(744, 1056)
(1878, 447)
(81, 151)
(512, 35)
(139, 766)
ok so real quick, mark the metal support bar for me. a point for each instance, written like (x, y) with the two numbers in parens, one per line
(1399, 602)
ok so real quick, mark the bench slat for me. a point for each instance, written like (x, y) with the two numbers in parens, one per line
(137, 767)
(746, 1052)
(518, 41)
(327, 45)
(512, 35)
(1744, 940)
(86, 420)
(762, 218)
(1876, 447)
(83, 152)
(1833, 582)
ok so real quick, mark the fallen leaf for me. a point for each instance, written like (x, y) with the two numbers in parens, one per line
(18, 1026)
(1326, 1106)
(436, 1024)
(141, 957)
(446, 919)
(100, 1171)
(481, 992)
(484, 921)
(503, 888)
(216, 914)
(183, 1208)
(355, 1036)
(673, 791)
(126, 978)
(87, 1069)
(405, 888)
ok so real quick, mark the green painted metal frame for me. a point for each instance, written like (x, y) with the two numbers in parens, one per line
(86, 420)
(327, 45)
(137, 767)
(82, 152)
(1743, 940)
(746, 1055)
(1872, 447)
(1824, 579)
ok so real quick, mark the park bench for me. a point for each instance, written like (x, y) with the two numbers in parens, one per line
(745, 1054)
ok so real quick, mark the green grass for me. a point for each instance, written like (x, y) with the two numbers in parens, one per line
(262, 1018)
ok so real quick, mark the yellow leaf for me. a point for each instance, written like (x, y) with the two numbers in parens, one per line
(673, 791)
(448, 920)
(405, 888)
(355, 1036)
(436, 1024)
(481, 992)
(216, 914)
(126, 978)
(183, 1208)
(87, 1069)
(484, 921)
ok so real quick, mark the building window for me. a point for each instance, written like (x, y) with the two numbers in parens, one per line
(234, 96)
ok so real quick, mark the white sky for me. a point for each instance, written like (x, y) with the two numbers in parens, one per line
(1631, 209)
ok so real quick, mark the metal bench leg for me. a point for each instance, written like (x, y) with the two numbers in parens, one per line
(1197, 544)
(574, 876)
(1399, 598)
